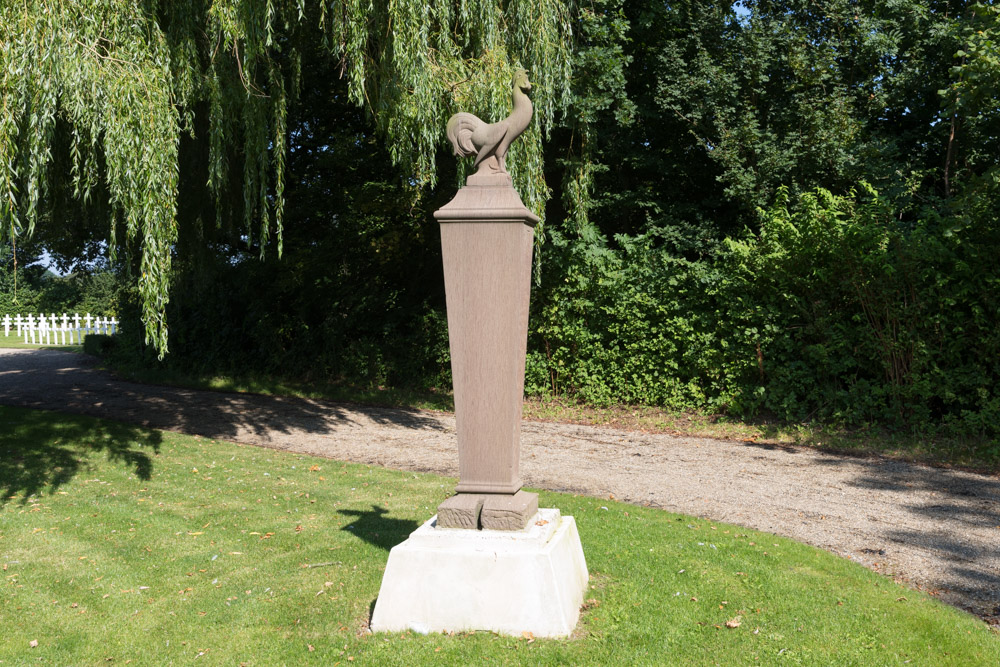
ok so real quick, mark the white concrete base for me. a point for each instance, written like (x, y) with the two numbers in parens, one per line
(453, 579)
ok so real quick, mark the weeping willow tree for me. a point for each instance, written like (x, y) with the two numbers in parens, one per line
(125, 80)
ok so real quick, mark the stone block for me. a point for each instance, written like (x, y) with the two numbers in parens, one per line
(508, 512)
(460, 511)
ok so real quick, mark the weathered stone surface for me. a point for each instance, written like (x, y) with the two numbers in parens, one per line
(508, 512)
(487, 275)
(460, 511)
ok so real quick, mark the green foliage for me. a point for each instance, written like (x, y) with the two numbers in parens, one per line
(867, 319)
(358, 296)
(98, 345)
(834, 310)
(17, 296)
(625, 325)
(974, 87)
(127, 81)
(726, 263)
(34, 289)
(714, 245)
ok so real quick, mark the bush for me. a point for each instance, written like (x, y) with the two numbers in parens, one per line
(835, 309)
(99, 345)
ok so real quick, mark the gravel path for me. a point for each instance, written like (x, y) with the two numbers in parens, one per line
(933, 529)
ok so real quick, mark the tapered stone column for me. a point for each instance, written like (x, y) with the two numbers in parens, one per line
(487, 236)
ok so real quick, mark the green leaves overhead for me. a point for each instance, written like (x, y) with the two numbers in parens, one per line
(98, 67)
(129, 77)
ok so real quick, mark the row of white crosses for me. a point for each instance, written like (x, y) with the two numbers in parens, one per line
(53, 330)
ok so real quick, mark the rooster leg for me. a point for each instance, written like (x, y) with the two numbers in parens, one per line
(484, 153)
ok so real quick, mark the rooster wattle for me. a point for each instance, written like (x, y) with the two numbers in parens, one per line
(471, 136)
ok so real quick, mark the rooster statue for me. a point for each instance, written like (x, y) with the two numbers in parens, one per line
(471, 136)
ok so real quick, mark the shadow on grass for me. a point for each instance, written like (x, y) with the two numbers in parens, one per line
(69, 383)
(40, 451)
(378, 529)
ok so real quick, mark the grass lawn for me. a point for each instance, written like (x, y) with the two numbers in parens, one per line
(122, 544)
(13, 340)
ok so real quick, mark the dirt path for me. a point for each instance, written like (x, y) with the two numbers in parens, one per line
(938, 530)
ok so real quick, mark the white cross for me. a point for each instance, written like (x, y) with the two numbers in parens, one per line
(88, 318)
(6, 325)
(17, 320)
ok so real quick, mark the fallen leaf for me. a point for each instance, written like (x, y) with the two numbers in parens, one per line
(734, 622)
(310, 646)
(33, 643)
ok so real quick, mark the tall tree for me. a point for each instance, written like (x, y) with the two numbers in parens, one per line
(130, 78)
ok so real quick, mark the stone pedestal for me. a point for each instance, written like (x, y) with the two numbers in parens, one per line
(446, 579)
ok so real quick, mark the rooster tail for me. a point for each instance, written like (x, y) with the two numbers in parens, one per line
(460, 129)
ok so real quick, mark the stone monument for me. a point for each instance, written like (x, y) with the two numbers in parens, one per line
(489, 559)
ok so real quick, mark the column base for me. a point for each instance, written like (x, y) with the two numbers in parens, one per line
(511, 582)
(490, 511)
